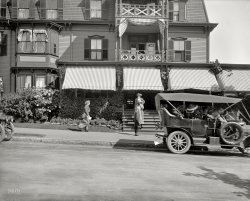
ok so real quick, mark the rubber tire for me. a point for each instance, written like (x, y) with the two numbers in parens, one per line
(172, 149)
(240, 132)
(2, 133)
(9, 134)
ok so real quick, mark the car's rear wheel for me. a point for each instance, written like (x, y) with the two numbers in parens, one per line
(2, 133)
(178, 142)
(231, 133)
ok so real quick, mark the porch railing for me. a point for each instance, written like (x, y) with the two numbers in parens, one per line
(132, 10)
(141, 55)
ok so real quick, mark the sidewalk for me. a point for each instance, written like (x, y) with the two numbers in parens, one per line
(84, 138)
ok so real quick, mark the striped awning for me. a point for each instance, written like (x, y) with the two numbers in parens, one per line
(142, 79)
(192, 78)
(91, 78)
(235, 80)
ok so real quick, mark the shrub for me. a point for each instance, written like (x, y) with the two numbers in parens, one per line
(37, 104)
(101, 107)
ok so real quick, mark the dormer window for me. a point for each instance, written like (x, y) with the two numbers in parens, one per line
(177, 10)
(96, 9)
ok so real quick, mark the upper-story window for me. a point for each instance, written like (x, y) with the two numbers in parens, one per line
(95, 8)
(3, 5)
(95, 48)
(23, 9)
(3, 44)
(179, 50)
(32, 41)
(177, 10)
(51, 9)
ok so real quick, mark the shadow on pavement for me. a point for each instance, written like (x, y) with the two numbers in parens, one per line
(142, 145)
(227, 178)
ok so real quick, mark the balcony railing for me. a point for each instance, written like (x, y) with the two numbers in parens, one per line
(132, 10)
(141, 56)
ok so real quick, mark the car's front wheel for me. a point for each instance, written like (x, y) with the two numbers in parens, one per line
(178, 142)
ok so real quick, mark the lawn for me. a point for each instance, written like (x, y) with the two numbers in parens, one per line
(62, 127)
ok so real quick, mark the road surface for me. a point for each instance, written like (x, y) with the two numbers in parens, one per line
(47, 172)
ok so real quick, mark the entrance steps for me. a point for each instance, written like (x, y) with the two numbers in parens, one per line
(151, 119)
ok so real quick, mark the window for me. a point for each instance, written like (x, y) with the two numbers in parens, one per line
(96, 9)
(23, 82)
(3, 6)
(25, 41)
(3, 44)
(177, 10)
(23, 13)
(180, 50)
(51, 9)
(55, 50)
(51, 14)
(40, 40)
(40, 81)
(32, 41)
(96, 48)
(23, 9)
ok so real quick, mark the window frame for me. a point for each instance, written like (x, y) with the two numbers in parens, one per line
(21, 75)
(34, 43)
(97, 11)
(88, 49)
(35, 80)
(184, 53)
(96, 50)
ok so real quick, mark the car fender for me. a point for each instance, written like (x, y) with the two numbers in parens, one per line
(184, 130)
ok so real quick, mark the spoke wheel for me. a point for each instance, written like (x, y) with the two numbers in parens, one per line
(9, 131)
(2, 133)
(231, 133)
(178, 142)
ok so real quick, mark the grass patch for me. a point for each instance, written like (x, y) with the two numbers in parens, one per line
(62, 127)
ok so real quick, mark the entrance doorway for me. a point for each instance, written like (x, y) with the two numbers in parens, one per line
(148, 96)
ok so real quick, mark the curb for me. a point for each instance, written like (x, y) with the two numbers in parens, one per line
(80, 142)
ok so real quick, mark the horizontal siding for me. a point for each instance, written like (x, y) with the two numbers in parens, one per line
(73, 10)
(77, 44)
(196, 11)
(64, 46)
(198, 50)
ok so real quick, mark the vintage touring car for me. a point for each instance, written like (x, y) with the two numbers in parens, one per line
(182, 130)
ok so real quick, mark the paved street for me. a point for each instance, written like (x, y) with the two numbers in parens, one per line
(50, 172)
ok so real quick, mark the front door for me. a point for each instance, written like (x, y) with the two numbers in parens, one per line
(148, 96)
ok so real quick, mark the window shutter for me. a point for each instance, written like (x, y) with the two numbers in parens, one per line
(43, 9)
(87, 10)
(3, 8)
(3, 44)
(105, 49)
(171, 10)
(170, 50)
(14, 9)
(187, 50)
(182, 5)
(60, 9)
(105, 9)
(87, 48)
(32, 9)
